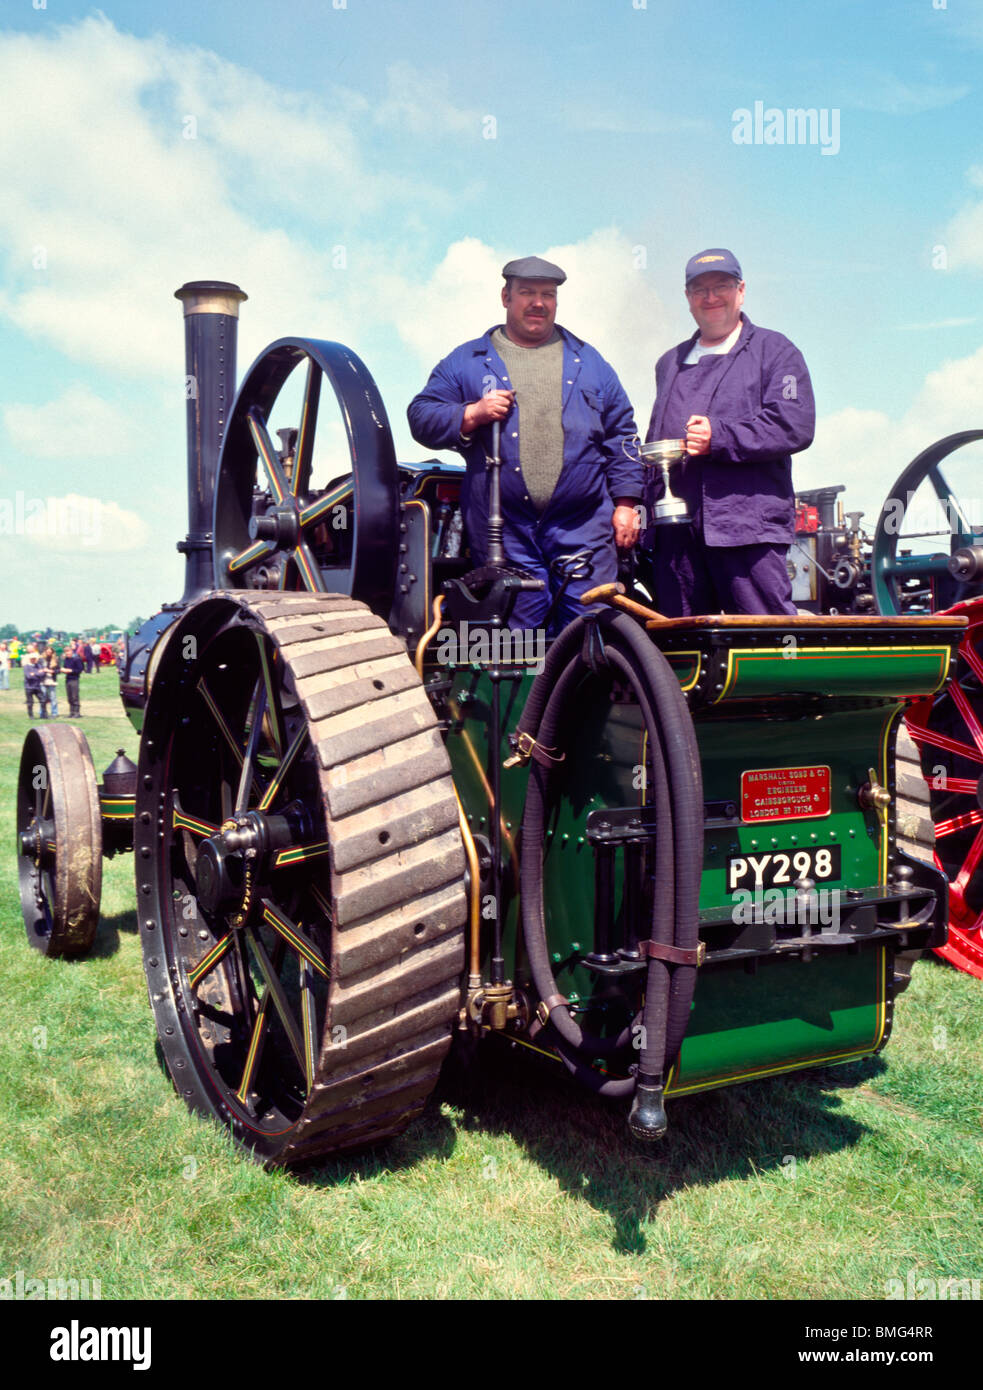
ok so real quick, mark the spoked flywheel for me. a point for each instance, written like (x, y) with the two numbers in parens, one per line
(948, 731)
(59, 841)
(319, 511)
(299, 873)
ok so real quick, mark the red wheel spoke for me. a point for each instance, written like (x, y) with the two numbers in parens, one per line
(955, 823)
(950, 745)
(965, 709)
(971, 862)
(966, 785)
(971, 657)
(268, 454)
(305, 434)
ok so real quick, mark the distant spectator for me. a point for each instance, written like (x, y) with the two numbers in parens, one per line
(4, 667)
(88, 656)
(73, 664)
(50, 666)
(33, 675)
(15, 652)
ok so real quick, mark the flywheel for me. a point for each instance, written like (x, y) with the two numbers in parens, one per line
(300, 873)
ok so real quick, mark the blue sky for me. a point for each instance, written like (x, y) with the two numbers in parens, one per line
(366, 126)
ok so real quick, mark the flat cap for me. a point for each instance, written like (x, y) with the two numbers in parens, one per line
(533, 268)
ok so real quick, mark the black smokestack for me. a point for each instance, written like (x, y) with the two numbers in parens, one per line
(211, 322)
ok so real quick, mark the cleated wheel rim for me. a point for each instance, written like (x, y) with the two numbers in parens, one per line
(947, 729)
(59, 841)
(294, 517)
(299, 874)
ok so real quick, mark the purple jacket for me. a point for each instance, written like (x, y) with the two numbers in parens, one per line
(597, 420)
(761, 411)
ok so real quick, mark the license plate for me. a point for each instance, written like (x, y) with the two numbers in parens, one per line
(781, 868)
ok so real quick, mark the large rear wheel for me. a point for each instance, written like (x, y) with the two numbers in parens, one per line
(299, 873)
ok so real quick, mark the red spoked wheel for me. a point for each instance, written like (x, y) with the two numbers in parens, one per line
(948, 731)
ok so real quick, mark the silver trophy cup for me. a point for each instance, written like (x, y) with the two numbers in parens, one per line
(660, 453)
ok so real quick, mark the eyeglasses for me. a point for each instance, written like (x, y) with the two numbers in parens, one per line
(705, 291)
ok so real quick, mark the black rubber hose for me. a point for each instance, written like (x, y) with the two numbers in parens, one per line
(674, 728)
(531, 871)
(573, 1058)
(679, 810)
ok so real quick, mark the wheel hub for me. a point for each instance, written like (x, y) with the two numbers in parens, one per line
(280, 525)
(32, 841)
(242, 840)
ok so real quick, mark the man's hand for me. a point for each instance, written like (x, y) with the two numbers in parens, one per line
(697, 435)
(626, 525)
(495, 406)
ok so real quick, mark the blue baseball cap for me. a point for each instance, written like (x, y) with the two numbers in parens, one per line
(716, 258)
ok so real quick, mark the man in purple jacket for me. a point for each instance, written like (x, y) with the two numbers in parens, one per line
(742, 399)
(570, 474)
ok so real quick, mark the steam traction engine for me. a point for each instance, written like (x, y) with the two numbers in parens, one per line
(368, 817)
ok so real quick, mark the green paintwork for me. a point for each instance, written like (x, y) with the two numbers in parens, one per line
(797, 669)
(786, 1015)
(835, 704)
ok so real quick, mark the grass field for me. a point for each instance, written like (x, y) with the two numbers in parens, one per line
(514, 1184)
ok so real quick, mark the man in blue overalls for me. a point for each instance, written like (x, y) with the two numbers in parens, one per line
(742, 399)
(570, 475)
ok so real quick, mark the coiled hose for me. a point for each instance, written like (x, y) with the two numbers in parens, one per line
(617, 641)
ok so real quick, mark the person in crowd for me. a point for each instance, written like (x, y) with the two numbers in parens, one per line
(73, 664)
(4, 666)
(33, 675)
(50, 667)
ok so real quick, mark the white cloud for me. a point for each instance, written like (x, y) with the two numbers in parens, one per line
(867, 450)
(883, 92)
(109, 205)
(77, 524)
(418, 103)
(79, 424)
(934, 326)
